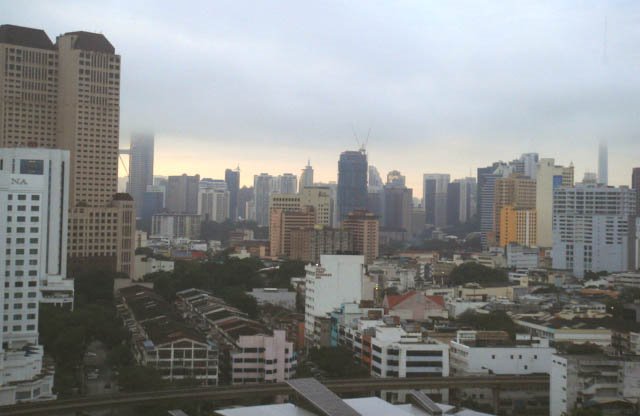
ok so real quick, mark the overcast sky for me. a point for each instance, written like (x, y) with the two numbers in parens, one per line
(443, 86)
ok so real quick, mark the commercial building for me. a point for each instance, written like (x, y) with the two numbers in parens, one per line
(152, 203)
(232, 178)
(287, 183)
(336, 280)
(67, 96)
(352, 182)
(140, 167)
(318, 197)
(397, 206)
(435, 187)
(486, 191)
(34, 202)
(401, 354)
(597, 381)
(516, 193)
(549, 177)
(213, 200)
(146, 265)
(591, 226)
(364, 228)
(176, 226)
(262, 190)
(263, 359)
(522, 257)
(182, 194)
(283, 223)
(306, 177)
(308, 244)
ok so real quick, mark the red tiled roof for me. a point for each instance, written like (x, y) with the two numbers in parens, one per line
(393, 300)
(437, 299)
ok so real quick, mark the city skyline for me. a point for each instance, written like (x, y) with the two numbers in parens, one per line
(432, 107)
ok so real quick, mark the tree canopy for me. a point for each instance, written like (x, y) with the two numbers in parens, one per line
(477, 273)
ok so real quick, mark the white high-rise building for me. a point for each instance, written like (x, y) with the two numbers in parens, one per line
(529, 164)
(603, 164)
(591, 225)
(336, 280)
(34, 202)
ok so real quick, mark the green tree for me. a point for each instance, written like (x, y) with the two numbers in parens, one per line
(236, 297)
(337, 362)
(493, 321)
(138, 378)
(477, 273)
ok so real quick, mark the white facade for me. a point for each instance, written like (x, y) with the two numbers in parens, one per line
(274, 296)
(576, 335)
(396, 353)
(521, 257)
(146, 265)
(34, 189)
(336, 280)
(498, 359)
(213, 202)
(548, 177)
(263, 359)
(591, 228)
(575, 380)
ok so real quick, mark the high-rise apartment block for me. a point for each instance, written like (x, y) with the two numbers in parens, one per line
(461, 200)
(287, 183)
(517, 225)
(518, 193)
(635, 185)
(591, 226)
(34, 207)
(352, 182)
(67, 95)
(318, 197)
(213, 200)
(365, 230)
(182, 194)
(283, 222)
(548, 178)
(232, 178)
(140, 167)
(397, 207)
(308, 244)
(434, 193)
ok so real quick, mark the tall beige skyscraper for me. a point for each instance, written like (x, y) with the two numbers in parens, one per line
(549, 177)
(67, 95)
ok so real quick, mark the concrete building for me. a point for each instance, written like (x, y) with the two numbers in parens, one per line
(287, 183)
(308, 244)
(140, 167)
(263, 359)
(549, 177)
(486, 207)
(34, 202)
(146, 265)
(352, 182)
(635, 185)
(597, 381)
(262, 189)
(318, 197)
(434, 198)
(214, 200)
(517, 226)
(364, 228)
(274, 296)
(176, 226)
(591, 226)
(232, 178)
(152, 203)
(245, 201)
(336, 280)
(603, 164)
(375, 183)
(401, 354)
(522, 257)
(397, 207)
(468, 356)
(306, 177)
(67, 96)
(518, 193)
(283, 222)
(182, 194)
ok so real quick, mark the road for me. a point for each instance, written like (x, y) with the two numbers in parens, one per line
(265, 390)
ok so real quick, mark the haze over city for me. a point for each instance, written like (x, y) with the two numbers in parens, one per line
(442, 87)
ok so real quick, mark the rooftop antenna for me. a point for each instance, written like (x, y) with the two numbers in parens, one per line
(355, 135)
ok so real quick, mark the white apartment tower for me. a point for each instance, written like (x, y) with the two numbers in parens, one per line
(591, 225)
(67, 96)
(34, 189)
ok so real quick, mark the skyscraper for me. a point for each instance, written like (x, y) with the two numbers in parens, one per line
(375, 183)
(548, 178)
(517, 192)
(352, 182)
(635, 184)
(34, 188)
(140, 167)
(182, 194)
(261, 191)
(453, 202)
(365, 230)
(486, 190)
(213, 200)
(603, 164)
(67, 95)
(591, 225)
(435, 198)
(232, 178)
(306, 177)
